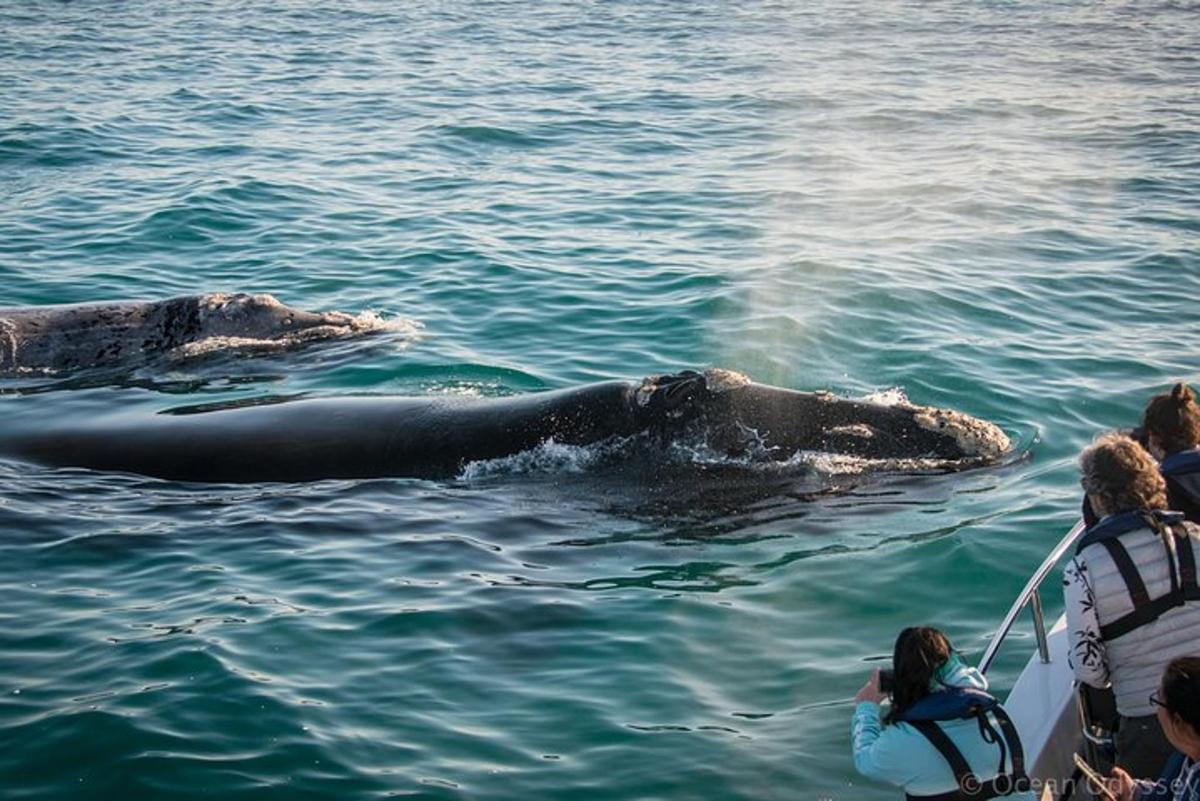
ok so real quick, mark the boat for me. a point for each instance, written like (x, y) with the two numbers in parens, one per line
(1054, 719)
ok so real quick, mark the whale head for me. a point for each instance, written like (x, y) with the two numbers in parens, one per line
(896, 435)
(263, 317)
(972, 437)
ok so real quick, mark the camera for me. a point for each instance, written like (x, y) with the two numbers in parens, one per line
(887, 680)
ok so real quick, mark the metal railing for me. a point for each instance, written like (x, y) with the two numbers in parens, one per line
(1031, 597)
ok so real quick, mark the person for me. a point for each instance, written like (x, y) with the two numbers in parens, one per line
(1132, 601)
(1171, 424)
(1170, 431)
(944, 737)
(1177, 705)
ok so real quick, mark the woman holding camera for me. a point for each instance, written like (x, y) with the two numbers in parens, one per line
(1177, 704)
(944, 737)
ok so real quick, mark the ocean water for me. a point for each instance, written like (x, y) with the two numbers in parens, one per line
(989, 206)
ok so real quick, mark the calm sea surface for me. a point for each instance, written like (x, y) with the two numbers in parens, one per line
(988, 206)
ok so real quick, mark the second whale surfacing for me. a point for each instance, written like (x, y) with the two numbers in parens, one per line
(437, 437)
(59, 339)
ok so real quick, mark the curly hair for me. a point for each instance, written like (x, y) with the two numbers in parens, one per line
(1174, 418)
(1122, 475)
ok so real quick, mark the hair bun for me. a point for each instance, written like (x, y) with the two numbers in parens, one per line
(1181, 393)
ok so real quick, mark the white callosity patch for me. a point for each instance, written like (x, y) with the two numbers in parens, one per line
(203, 347)
(841, 464)
(973, 436)
(328, 325)
(219, 301)
(856, 430)
(720, 380)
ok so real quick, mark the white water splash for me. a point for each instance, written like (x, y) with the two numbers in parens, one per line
(893, 396)
(549, 457)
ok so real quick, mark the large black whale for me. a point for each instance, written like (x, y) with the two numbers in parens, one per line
(432, 437)
(57, 339)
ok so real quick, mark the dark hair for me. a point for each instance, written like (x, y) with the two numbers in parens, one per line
(1122, 475)
(1174, 418)
(919, 653)
(1181, 689)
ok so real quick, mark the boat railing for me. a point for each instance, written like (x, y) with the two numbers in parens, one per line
(1032, 598)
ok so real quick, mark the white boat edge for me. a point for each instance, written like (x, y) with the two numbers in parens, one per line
(1043, 708)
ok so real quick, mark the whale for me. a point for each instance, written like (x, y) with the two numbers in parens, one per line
(65, 338)
(437, 437)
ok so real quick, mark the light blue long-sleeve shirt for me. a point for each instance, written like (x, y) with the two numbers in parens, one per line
(899, 754)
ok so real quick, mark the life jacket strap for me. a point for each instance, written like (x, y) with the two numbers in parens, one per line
(1017, 753)
(1187, 566)
(1183, 584)
(946, 747)
(970, 788)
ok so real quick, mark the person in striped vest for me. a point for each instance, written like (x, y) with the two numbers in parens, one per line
(1132, 601)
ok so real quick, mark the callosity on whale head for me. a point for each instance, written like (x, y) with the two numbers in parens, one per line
(264, 317)
(733, 413)
(974, 437)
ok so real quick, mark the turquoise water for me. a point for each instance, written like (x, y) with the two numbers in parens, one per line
(989, 206)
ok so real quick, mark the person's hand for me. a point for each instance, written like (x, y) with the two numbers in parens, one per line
(870, 691)
(1121, 784)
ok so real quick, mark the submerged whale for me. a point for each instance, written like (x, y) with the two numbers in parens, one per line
(63, 338)
(436, 437)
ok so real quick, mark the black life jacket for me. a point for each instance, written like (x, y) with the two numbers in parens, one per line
(959, 703)
(1175, 540)
(1182, 473)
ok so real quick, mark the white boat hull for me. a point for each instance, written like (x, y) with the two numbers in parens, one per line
(1042, 705)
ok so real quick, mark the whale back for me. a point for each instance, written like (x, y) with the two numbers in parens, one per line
(434, 437)
(56, 339)
(74, 336)
(307, 440)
